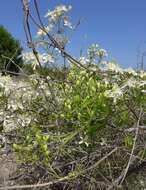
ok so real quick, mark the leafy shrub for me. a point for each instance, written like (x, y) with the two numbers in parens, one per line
(81, 116)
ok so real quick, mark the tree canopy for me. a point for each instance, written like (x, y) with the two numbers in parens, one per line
(10, 51)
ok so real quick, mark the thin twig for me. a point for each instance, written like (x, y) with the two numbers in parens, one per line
(122, 177)
(133, 148)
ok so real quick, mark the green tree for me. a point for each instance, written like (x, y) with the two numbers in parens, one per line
(10, 51)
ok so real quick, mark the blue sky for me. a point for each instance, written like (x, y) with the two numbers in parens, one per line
(119, 26)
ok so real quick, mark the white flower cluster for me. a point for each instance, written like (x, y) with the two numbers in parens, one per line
(44, 58)
(41, 33)
(58, 11)
(111, 66)
(54, 17)
(131, 71)
(67, 22)
(142, 74)
(83, 60)
(95, 51)
(118, 91)
(20, 94)
(57, 21)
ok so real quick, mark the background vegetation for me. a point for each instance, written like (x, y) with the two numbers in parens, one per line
(10, 51)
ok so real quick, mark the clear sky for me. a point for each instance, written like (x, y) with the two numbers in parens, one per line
(119, 26)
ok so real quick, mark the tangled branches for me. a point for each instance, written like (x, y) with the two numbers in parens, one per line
(83, 131)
